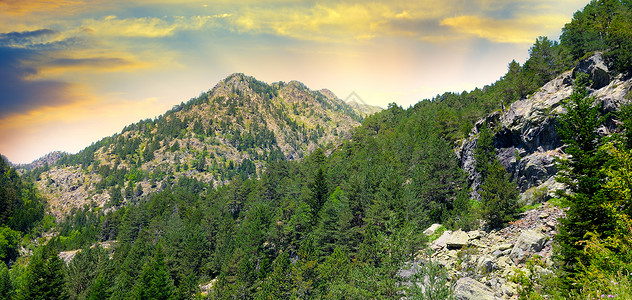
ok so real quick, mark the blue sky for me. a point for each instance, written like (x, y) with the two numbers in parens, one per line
(74, 71)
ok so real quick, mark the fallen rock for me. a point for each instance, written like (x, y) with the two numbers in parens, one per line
(68, 256)
(529, 242)
(458, 239)
(475, 234)
(486, 264)
(469, 289)
(441, 241)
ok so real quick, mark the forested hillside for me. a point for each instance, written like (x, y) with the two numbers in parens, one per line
(344, 222)
(230, 131)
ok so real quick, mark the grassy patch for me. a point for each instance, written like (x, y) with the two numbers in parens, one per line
(558, 202)
(529, 207)
(437, 234)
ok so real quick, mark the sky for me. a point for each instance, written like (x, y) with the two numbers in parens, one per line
(75, 71)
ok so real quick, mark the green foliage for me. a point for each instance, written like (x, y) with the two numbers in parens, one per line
(154, 281)
(581, 172)
(527, 280)
(44, 277)
(499, 196)
(334, 226)
(9, 241)
(603, 25)
(485, 152)
(430, 282)
(6, 287)
(91, 266)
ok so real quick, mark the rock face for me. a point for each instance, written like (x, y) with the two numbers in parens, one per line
(596, 69)
(527, 142)
(469, 289)
(528, 243)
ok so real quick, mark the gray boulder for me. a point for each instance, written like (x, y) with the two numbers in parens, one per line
(469, 289)
(596, 68)
(441, 241)
(457, 240)
(528, 243)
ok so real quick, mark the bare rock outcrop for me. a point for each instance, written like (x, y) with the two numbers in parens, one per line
(527, 142)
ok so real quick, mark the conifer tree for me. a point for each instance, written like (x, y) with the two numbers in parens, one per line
(582, 175)
(499, 196)
(44, 278)
(155, 282)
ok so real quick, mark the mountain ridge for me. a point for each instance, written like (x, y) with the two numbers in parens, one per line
(233, 129)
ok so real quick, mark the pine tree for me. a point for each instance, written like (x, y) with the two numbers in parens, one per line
(6, 287)
(499, 196)
(333, 228)
(581, 173)
(155, 282)
(484, 153)
(44, 278)
(318, 189)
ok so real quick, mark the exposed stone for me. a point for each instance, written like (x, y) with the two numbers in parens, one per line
(458, 239)
(475, 234)
(527, 142)
(67, 256)
(544, 215)
(596, 68)
(529, 242)
(441, 241)
(486, 264)
(505, 246)
(432, 229)
(206, 288)
(469, 289)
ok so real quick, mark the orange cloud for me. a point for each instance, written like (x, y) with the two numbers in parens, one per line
(72, 126)
(93, 64)
(521, 30)
(25, 7)
(146, 27)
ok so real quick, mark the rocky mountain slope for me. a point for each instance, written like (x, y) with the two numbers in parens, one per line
(486, 265)
(526, 137)
(230, 131)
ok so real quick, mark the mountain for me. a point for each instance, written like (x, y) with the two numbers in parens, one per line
(360, 219)
(231, 131)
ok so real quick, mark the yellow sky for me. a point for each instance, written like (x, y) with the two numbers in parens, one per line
(74, 71)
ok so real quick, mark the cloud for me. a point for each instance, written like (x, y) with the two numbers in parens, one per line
(70, 127)
(147, 27)
(26, 58)
(24, 7)
(521, 30)
(20, 94)
(26, 38)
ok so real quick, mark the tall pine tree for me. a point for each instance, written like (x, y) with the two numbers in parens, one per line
(582, 175)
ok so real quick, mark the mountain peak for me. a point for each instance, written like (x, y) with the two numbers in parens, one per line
(232, 130)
